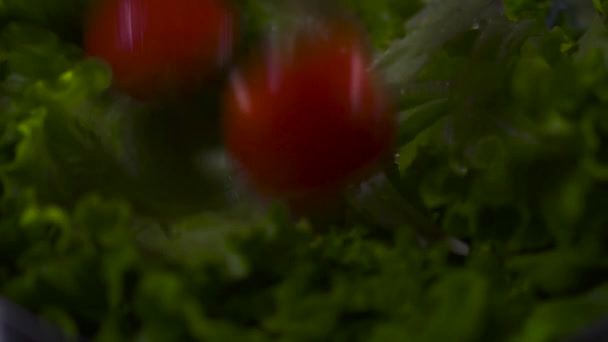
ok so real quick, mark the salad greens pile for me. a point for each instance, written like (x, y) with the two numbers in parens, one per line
(121, 221)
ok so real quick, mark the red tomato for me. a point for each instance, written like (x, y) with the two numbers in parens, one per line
(160, 47)
(308, 118)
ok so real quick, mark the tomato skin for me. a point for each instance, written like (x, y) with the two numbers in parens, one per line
(160, 47)
(306, 119)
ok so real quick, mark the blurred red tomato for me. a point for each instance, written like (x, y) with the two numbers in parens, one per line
(307, 118)
(161, 47)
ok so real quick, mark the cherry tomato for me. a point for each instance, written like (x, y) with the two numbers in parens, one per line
(309, 117)
(160, 47)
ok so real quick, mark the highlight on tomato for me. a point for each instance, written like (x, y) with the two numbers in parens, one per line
(306, 117)
(159, 48)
